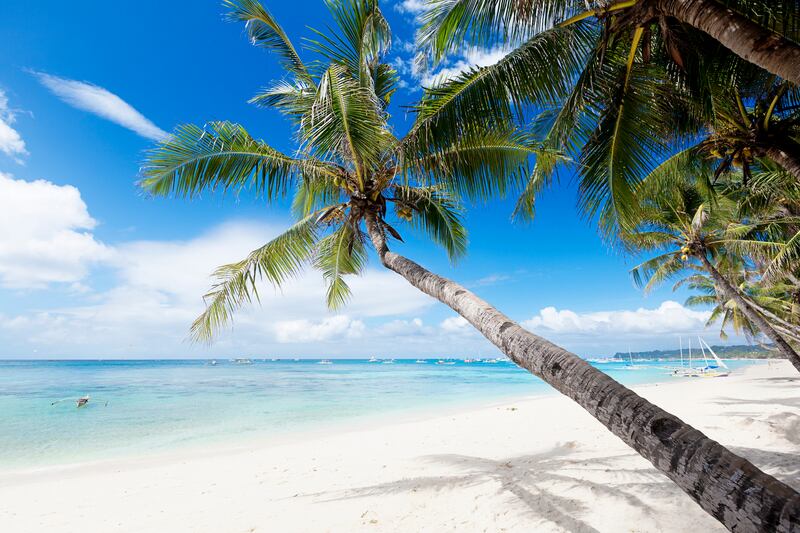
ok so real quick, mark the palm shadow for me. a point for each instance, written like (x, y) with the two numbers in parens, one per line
(784, 466)
(531, 478)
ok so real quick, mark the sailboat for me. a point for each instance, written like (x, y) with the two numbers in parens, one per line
(629, 365)
(717, 370)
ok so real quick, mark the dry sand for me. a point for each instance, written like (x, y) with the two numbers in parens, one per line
(539, 464)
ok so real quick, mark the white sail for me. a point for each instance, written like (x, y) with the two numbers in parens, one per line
(719, 361)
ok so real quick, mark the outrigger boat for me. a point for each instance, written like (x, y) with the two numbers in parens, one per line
(79, 402)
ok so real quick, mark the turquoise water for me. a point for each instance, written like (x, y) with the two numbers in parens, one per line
(155, 406)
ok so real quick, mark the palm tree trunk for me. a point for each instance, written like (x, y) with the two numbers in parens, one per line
(786, 159)
(745, 38)
(761, 323)
(730, 488)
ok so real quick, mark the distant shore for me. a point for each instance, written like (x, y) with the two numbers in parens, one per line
(532, 464)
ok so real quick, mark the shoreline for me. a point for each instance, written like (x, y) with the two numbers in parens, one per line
(533, 463)
(233, 444)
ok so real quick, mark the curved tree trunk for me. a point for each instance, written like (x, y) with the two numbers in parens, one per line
(752, 315)
(786, 159)
(733, 490)
(745, 38)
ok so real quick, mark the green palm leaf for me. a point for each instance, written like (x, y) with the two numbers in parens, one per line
(435, 213)
(221, 156)
(340, 253)
(278, 260)
(265, 32)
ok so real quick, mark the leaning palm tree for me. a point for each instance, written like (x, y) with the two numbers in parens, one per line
(771, 302)
(693, 228)
(761, 32)
(623, 71)
(350, 169)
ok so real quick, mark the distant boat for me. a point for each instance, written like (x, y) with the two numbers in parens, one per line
(468, 360)
(717, 370)
(213, 362)
(79, 402)
(420, 361)
(629, 365)
(325, 362)
(443, 362)
(388, 362)
(242, 362)
(373, 360)
(491, 361)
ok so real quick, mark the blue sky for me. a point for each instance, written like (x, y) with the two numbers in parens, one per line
(89, 267)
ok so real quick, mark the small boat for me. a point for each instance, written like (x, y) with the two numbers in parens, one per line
(491, 361)
(443, 362)
(468, 360)
(420, 361)
(242, 362)
(373, 359)
(79, 402)
(325, 362)
(388, 362)
(213, 362)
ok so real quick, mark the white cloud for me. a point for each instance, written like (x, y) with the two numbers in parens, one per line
(491, 279)
(45, 234)
(101, 102)
(11, 142)
(413, 7)
(455, 324)
(668, 318)
(158, 292)
(328, 329)
(471, 58)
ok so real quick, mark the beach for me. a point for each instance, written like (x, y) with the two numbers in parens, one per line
(527, 464)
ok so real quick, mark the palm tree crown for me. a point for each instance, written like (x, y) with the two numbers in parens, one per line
(349, 167)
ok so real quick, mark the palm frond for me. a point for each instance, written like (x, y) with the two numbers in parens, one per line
(435, 213)
(339, 254)
(264, 31)
(222, 156)
(478, 165)
(538, 72)
(235, 284)
(345, 122)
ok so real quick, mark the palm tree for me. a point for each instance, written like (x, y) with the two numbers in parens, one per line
(747, 116)
(612, 82)
(694, 228)
(771, 302)
(762, 33)
(349, 168)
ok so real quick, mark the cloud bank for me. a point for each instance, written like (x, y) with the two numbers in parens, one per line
(45, 234)
(152, 291)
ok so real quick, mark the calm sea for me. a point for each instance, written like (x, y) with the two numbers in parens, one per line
(156, 406)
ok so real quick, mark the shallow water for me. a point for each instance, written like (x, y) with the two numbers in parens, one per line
(156, 406)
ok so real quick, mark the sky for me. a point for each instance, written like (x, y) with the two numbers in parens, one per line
(91, 267)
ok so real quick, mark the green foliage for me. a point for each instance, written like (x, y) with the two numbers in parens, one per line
(434, 212)
(221, 157)
(347, 168)
(277, 261)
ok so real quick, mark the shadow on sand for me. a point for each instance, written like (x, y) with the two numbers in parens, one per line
(539, 482)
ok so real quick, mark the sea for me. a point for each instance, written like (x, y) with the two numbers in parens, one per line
(141, 407)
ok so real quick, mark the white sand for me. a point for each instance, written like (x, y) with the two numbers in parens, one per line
(532, 465)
